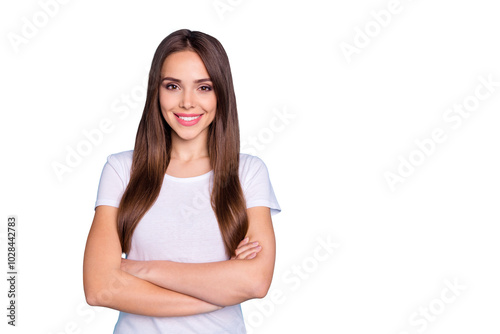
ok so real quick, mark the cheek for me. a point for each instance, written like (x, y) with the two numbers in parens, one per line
(166, 104)
(210, 104)
(166, 98)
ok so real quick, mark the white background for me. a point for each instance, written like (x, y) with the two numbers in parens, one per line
(349, 123)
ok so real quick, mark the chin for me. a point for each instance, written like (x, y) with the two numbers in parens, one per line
(187, 134)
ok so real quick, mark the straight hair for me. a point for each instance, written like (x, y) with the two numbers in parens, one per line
(153, 145)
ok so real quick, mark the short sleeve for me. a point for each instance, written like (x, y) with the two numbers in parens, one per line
(257, 186)
(111, 184)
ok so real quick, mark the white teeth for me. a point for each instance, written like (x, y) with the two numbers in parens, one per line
(189, 118)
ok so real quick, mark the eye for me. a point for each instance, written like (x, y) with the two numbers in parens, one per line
(171, 86)
(206, 88)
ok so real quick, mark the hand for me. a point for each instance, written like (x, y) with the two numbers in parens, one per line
(247, 250)
(135, 268)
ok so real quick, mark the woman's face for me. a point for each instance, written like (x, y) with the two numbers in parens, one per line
(187, 99)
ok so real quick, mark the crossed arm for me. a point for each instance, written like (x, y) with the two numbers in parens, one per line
(166, 288)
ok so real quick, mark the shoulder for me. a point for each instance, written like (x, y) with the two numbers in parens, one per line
(256, 183)
(250, 162)
(121, 162)
(124, 157)
(251, 166)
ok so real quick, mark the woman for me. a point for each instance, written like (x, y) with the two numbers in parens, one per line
(191, 213)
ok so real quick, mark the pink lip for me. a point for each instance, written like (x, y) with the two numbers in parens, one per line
(188, 123)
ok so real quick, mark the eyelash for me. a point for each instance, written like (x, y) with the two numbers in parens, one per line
(205, 88)
(209, 88)
(168, 86)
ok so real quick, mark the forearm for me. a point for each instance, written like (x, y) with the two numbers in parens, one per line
(124, 292)
(221, 283)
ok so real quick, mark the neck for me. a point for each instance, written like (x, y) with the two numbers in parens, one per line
(187, 150)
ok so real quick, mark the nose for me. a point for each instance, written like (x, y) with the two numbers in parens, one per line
(187, 100)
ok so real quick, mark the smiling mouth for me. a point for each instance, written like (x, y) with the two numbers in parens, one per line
(187, 117)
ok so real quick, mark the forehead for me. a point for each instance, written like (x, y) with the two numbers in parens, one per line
(184, 64)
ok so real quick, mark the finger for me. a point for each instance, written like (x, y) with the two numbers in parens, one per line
(244, 241)
(250, 254)
(246, 255)
(245, 247)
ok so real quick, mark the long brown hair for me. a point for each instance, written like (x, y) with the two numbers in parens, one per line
(153, 145)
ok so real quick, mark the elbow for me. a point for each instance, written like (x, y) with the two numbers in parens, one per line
(96, 294)
(260, 282)
(91, 290)
(91, 300)
(99, 297)
(251, 289)
(260, 287)
(91, 297)
(101, 291)
(261, 290)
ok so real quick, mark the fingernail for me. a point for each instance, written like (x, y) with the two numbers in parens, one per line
(255, 243)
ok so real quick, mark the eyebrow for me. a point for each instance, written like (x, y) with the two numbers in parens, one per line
(179, 80)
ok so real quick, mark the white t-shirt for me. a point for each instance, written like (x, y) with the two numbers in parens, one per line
(182, 227)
